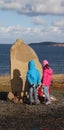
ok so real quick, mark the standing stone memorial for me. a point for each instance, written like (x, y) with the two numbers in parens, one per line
(20, 55)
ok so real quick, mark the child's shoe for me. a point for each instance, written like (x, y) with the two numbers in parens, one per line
(48, 102)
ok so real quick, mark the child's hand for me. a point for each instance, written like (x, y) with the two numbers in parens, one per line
(42, 84)
(39, 85)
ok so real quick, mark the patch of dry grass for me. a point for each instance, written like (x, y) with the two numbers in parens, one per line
(58, 77)
(5, 85)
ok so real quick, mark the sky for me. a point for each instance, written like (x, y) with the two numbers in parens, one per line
(32, 21)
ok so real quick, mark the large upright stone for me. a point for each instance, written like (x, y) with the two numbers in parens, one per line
(20, 55)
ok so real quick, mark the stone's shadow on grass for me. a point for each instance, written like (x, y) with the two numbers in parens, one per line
(16, 83)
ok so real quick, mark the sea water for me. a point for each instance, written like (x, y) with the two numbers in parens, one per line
(54, 54)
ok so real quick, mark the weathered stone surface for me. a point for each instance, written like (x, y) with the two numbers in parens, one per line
(20, 55)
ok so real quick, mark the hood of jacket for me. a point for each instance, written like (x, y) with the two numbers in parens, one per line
(31, 65)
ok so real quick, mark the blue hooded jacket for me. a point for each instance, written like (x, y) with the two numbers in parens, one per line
(33, 75)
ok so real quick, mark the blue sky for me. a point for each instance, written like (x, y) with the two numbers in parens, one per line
(31, 20)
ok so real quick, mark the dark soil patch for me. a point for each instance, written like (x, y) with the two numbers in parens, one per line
(32, 117)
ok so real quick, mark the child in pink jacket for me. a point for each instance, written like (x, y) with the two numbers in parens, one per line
(46, 80)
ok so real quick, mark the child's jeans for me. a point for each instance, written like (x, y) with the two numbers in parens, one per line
(46, 92)
(33, 93)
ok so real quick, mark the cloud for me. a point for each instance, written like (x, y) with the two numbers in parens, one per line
(34, 7)
(53, 32)
(59, 22)
(38, 20)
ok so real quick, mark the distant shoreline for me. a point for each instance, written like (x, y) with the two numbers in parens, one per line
(49, 44)
(59, 45)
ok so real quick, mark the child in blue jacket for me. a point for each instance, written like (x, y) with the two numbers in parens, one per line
(34, 79)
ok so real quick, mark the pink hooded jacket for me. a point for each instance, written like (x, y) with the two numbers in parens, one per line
(47, 76)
